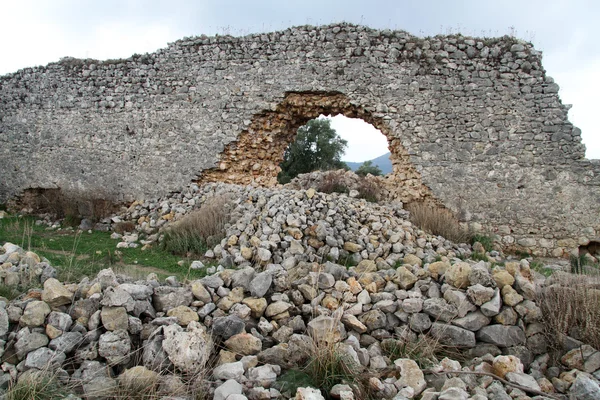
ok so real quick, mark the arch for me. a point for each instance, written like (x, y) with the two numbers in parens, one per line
(256, 155)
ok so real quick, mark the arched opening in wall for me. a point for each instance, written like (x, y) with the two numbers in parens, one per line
(256, 155)
(349, 153)
(336, 142)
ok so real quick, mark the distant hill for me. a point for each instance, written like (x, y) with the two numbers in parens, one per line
(383, 162)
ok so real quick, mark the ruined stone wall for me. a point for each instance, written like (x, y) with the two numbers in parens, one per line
(473, 123)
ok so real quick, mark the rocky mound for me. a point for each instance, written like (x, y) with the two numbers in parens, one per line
(287, 226)
(238, 333)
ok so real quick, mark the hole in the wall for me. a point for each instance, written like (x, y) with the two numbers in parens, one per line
(592, 248)
(336, 142)
(255, 156)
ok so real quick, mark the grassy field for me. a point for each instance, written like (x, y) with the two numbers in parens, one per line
(77, 254)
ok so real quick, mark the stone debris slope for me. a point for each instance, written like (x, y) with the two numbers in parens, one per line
(234, 334)
(288, 226)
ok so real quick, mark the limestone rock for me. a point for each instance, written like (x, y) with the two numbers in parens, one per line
(55, 293)
(187, 349)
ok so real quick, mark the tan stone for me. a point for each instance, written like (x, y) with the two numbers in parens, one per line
(34, 314)
(505, 364)
(226, 357)
(138, 378)
(200, 292)
(244, 344)
(53, 332)
(55, 293)
(257, 306)
(411, 259)
(365, 266)
(405, 278)
(232, 240)
(457, 275)
(184, 315)
(114, 318)
(330, 302)
(438, 268)
(277, 307)
(310, 193)
(510, 296)
(355, 287)
(513, 267)
(352, 247)
(503, 278)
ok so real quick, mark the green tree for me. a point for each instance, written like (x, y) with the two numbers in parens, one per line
(317, 147)
(368, 168)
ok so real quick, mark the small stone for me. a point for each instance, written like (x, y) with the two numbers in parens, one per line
(457, 275)
(244, 344)
(55, 293)
(227, 390)
(410, 375)
(35, 313)
(501, 335)
(308, 393)
(504, 364)
(184, 315)
(114, 318)
(233, 370)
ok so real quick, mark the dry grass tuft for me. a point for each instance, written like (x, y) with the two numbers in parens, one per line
(426, 351)
(124, 226)
(437, 221)
(333, 182)
(571, 306)
(199, 230)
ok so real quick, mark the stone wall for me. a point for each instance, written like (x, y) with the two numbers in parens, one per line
(472, 123)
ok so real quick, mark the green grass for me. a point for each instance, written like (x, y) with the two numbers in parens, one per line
(479, 257)
(76, 255)
(38, 386)
(486, 241)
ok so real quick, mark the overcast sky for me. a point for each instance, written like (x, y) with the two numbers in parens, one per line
(36, 32)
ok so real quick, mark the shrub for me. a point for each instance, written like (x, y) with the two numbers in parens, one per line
(199, 230)
(571, 306)
(369, 190)
(333, 182)
(328, 366)
(437, 221)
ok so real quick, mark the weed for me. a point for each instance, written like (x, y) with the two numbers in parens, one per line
(437, 221)
(36, 386)
(486, 241)
(199, 230)
(333, 182)
(12, 292)
(479, 257)
(76, 255)
(369, 190)
(426, 352)
(578, 263)
(571, 306)
(291, 380)
(328, 366)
